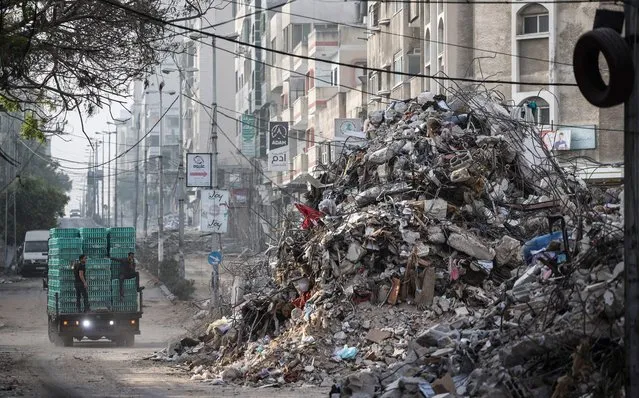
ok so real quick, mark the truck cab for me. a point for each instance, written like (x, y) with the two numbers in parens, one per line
(34, 253)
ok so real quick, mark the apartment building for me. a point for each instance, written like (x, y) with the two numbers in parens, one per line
(530, 43)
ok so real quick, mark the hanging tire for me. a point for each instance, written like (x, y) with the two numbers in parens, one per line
(618, 56)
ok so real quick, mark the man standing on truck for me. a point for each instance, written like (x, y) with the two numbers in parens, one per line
(127, 271)
(79, 272)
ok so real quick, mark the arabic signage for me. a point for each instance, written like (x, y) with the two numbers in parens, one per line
(556, 140)
(278, 146)
(215, 211)
(249, 128)
(198, 170)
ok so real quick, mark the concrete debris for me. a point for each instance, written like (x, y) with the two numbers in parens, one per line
(437, 269)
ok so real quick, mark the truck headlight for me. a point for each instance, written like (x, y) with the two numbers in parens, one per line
(86, 323)
(111, 323)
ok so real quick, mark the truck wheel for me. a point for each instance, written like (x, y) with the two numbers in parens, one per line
(67, 341)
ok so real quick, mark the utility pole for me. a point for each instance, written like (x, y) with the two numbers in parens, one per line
(181, 182)
(146, 194)
(631, 214)
(108, 184)
(95, 180)
(137, 175)
(161, 188)
(115, 181)
(215, 277)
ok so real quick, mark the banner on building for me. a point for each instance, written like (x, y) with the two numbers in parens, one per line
(249, 134)
(278, 146)
(556, 140)
(199, 171)
(214, 211)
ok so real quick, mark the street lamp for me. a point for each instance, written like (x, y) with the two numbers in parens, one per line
(108, 179)
(161, 179)
(181, 194)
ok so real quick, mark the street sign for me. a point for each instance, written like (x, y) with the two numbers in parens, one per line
(215, 258)
(214, 211)
(198, 170)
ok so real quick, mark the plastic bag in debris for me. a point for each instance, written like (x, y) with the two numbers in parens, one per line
(328, 206)
(221, 326)
(538, 243)
(346, 352)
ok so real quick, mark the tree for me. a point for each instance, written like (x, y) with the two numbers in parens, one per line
(59, 55)
(38, 206)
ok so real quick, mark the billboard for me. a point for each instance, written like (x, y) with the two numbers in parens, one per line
(199, 171)
(249, 129)
(278, 146)
(214, 211)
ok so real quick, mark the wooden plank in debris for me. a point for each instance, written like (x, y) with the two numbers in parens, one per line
(426, 296)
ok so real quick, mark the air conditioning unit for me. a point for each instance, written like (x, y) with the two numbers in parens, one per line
(384, 21)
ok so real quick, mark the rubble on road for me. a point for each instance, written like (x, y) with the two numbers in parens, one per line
(432, 272)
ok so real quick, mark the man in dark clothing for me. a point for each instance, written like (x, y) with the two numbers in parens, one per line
(127, 271)
(79, 271)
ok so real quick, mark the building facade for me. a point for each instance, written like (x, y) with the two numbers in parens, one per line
(522, 43)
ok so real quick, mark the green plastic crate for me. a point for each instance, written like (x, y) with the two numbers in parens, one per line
(65, 252)
(120, 253)
(65, 243)
(60, 263)
(90, 233)
(95, 243)
(122, 243)
(64, 233)
(122, 232)
(61, 274)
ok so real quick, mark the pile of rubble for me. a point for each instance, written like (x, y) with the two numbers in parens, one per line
(449, 254)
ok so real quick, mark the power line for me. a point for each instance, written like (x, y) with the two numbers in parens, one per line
(338, 63)
(369, 30)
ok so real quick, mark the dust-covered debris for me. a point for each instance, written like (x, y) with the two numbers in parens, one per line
(452, 256)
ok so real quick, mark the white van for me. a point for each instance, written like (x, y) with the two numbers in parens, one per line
(33, 257)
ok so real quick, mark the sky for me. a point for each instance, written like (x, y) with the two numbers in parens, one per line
(75, 147)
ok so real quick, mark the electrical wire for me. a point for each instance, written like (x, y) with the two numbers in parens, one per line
(422, 39)
(338, 63)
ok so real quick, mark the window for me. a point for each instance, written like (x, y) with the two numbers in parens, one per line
(334, 77)
(373, 15)
(440, 37)
(310, 79)
(397, 6)
(440, 7)
(287, 39)
(398, 67)
(374, 83)
(535, 24)
(413, 11)
(533, 19)
(413, 60)
(538, 107)
(427, 47)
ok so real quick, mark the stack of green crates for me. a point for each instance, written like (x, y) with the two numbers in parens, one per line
(129, 303)
(65, 247)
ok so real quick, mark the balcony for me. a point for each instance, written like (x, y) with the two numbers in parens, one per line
(314, 154)
(317, 97)
(287, 114)
(323, 42)
(287, 65)
(299, 64)
(416, 86)
(266, 91)
(300, 165)
(300, 113)
(276, 80)
(401, 91)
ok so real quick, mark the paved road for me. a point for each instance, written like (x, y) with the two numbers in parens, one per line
(31, 366)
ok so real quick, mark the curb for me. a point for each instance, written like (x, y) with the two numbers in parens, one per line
(165, 290)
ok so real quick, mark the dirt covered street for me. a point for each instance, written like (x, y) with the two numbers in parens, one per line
(32, 366)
